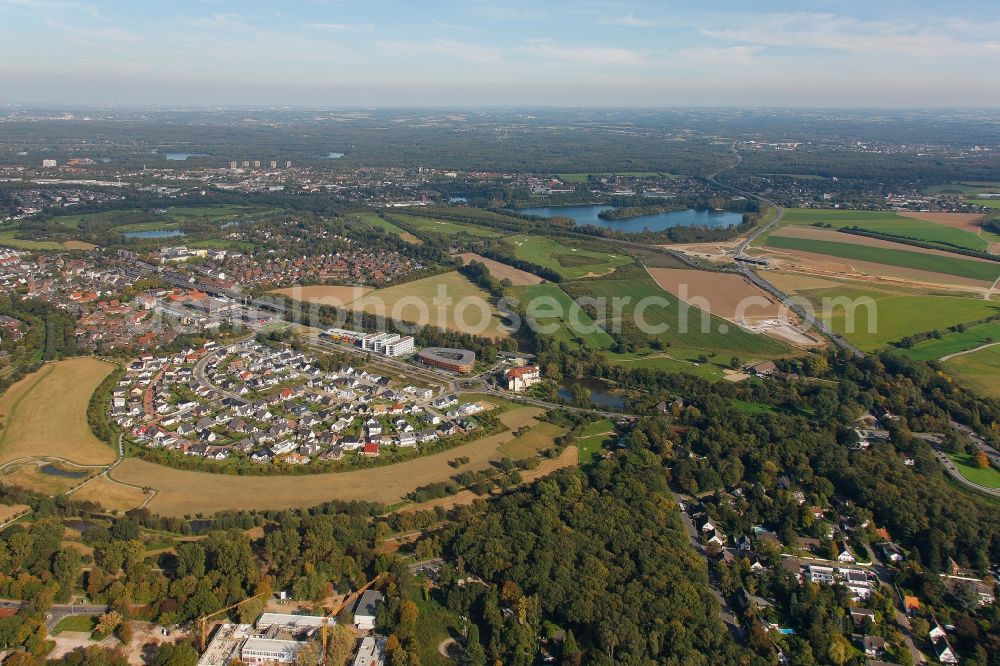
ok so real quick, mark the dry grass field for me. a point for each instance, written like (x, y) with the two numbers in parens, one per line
(500, 270)
(792, 283)
(448, 301)
(182, 492)
(8, 511)
(568, 458)
(78, 245)
(538, 438)
(334, 295)
(727, 295)
(29, 475)
(112, 496)
(45, 414)
(832, 235)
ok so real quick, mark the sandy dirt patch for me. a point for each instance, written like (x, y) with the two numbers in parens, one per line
(501, 271)
(724, 294)
(792, 283)
(716, 253)
(822, 264)
(78, 245)
(181, 492)
(333, 295)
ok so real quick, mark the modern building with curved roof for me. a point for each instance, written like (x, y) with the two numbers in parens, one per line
(455, 360)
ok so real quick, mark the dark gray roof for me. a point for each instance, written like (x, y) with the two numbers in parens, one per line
(368, 603)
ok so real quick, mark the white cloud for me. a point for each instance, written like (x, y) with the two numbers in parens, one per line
(630, 20)
(729, 55)
(585, 54)
(446, 48)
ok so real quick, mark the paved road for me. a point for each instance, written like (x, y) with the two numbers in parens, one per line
(725, 611)
(59, 611)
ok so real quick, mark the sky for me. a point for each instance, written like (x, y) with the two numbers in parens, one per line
(346, 53)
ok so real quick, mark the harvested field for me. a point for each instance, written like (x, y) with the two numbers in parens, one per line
(503, 271)
(792, 283)
(727, 295)
(182, 492)
(336, 296)
(449, 301)
(112, 496)
(966, 221)
(45, 414)
(825, 264)
(538, 438)
(29, 475)
(834, 236)
(78, 245)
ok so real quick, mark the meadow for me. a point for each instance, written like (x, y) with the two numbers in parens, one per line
(502, 271)
(8, 239)
(595, 337)
(415, 300)
(985, 271)
(702, 332)
(953, 343)
(45, 414)
(571, 263)
(430, 225)
(979, 370)
(894, 314)
(986, 203)
(593, 440)
(537, 439)
(374, 220)
(988, 477)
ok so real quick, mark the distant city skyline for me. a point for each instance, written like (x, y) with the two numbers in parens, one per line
(829, 53)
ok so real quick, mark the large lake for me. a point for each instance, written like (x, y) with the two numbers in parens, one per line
(180, 157)
(660, 221)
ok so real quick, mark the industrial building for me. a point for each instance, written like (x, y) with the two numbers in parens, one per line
(453, 360)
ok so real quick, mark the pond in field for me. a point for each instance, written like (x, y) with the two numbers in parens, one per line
(601, 395)
(180, 157)
(677, 218)
(154, 233)
(55, 470)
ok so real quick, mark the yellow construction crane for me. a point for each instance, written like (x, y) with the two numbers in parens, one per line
(203, 624)
(348, 600)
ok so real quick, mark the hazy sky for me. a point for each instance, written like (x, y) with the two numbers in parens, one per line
(476, 52)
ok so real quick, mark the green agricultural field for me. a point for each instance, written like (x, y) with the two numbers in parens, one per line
(953, 343)
(703, 333)
(891, 224)
(374, 220)
(986, 203)
(564, 305)
(672, 362)
(979, 370)
(988, 477)
(877, 318)
(976, 270)
(222, 244)
(965, 189)
(430, 225)
(571, 263)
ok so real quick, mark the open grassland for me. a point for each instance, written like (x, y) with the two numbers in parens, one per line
(593, 440)
(112, 496)
(988, 477)
(45, 414)
(953, 343)
(985, 271)
(872, 318)
(333, 295)
(681, 326)
(537, 439)
(468, 308)
(181, 492)
(986, 203)
(979, 370)
(431, 225)
(727, 295)
(8, 239)
(552, 308)
(8, 511)
(938, 230)
(29, 475)
(177, 214)
(502, 271)
(376, 221)
(570, 262)
(965, 188)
